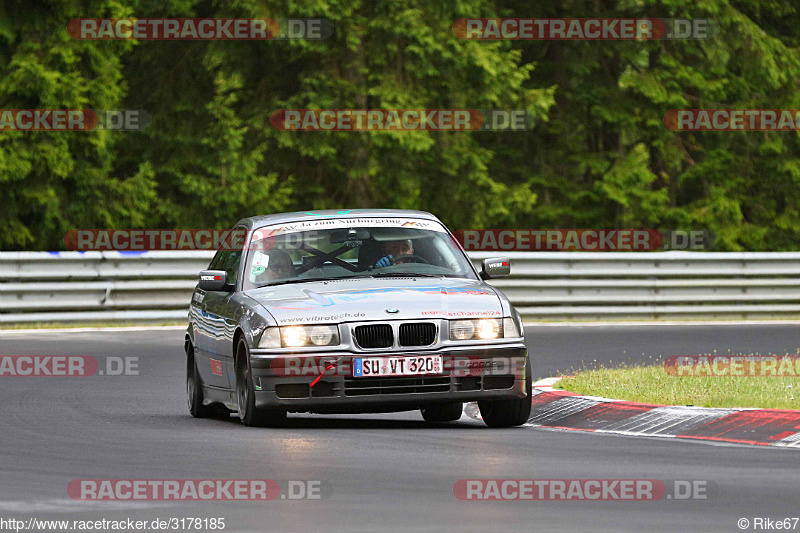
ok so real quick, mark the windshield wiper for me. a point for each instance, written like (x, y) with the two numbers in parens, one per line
(404, 275)
(303, 280)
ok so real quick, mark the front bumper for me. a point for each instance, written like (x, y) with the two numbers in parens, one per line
(470, 373)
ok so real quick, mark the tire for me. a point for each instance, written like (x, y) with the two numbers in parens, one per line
(194, 389)
(509, 413)
(442, 412)
(249, 414)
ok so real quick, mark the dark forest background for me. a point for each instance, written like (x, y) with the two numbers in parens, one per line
(599, 156)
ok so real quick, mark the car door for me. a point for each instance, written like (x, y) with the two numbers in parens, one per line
(216, 324)
(202, 328)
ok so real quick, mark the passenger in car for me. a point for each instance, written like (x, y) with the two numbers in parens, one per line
(272, 265)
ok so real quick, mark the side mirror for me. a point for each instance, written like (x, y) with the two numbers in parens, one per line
(213, 280)
(495, 267)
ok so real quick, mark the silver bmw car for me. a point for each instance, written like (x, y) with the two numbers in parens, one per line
(350, 312)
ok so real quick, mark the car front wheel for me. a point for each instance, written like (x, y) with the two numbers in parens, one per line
(509, 413)
(249, 414)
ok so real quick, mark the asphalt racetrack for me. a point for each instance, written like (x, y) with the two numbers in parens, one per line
(379, 472)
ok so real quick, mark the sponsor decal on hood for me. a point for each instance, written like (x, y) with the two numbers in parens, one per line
(366, 300)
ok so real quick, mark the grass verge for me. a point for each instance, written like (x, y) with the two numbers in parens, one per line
(651, 384)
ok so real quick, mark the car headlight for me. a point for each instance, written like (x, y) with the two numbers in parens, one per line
(294, 336)
(461, 330)
(483, 328)
(323, 335)
(271, 338)
(510, 328)
(298, 336)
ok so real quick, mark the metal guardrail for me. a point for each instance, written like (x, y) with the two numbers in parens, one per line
(156, 286)
(653, 286)
(139, 287)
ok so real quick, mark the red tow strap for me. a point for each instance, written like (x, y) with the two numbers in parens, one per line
(320, 376)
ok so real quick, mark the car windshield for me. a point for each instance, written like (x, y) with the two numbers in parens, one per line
(276, 256)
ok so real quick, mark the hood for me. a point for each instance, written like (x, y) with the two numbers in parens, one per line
(353, 300)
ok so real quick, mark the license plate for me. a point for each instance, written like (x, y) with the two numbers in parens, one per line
(397, 366)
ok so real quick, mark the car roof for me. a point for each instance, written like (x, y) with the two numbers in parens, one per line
(300, 216)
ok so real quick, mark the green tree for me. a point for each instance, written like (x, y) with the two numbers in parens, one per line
(57, 181)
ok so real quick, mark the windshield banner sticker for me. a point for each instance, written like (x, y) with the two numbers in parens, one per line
(326, 223)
